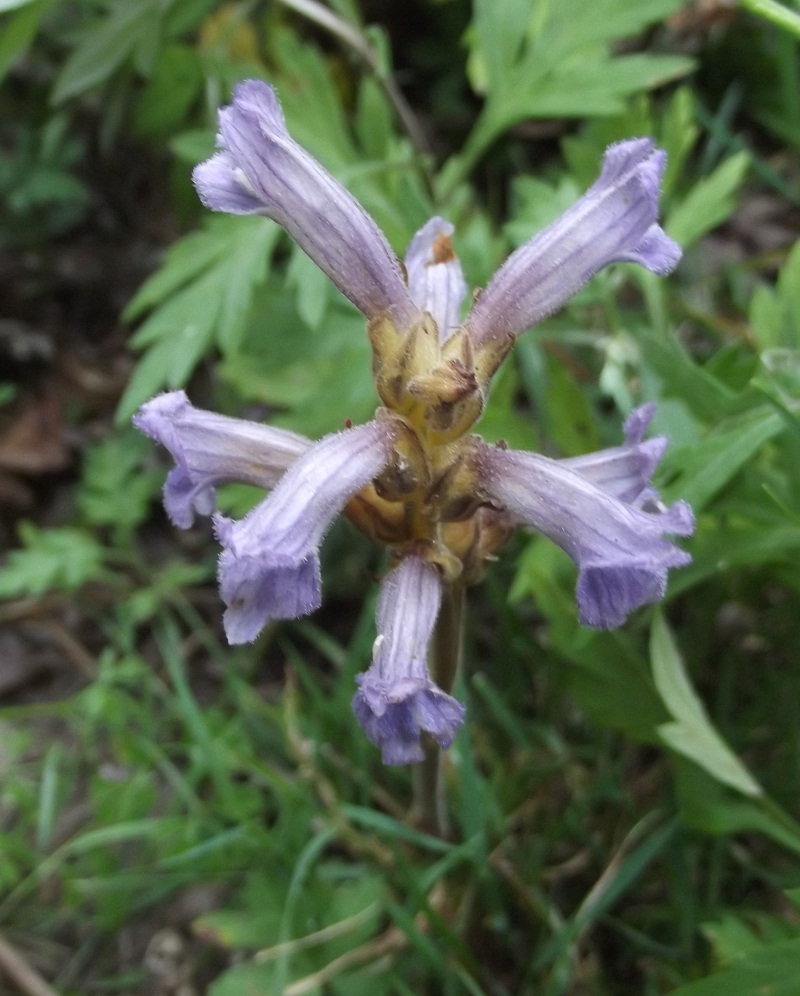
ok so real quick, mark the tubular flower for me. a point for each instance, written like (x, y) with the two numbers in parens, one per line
(262, 170)
(269, 568)
(416, 479)
(209, 449)
(397, 700)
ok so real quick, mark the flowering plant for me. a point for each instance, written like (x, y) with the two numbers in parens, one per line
(416, 478)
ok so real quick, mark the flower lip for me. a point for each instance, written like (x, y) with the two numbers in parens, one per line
(255, 591)
(604, 514)
(625, 472)
(262, 170)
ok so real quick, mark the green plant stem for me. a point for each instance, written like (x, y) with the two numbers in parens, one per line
(775, 13)
(428, 811)
(325, 18)
(484, 132)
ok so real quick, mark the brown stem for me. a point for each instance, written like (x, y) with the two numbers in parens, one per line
(21, 973)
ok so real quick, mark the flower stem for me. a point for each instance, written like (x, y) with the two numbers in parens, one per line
(351, 36)
(776, 13)
(428, 810)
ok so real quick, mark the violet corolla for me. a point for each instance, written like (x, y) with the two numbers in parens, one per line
(416, 478)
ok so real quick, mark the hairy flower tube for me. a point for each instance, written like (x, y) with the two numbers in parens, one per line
(416, 478)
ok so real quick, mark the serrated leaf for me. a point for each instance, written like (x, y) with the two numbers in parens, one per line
(105, 45)
(311, 100)
(692, 733)
(114, 490)
(184, 261)
(51, 560)
(167, 363)
(710, 201)
(314, 289)
(591, 86)
(558, 30)
(175, 83)
(499, 33)
(540, 59)
(201, 296)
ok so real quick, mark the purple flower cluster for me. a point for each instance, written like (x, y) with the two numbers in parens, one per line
(416, 469)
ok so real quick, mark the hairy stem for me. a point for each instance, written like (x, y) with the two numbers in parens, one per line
(428, 811)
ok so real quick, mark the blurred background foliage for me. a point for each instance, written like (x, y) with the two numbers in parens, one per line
(178, 816)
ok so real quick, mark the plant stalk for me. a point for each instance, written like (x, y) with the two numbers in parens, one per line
(444, 658)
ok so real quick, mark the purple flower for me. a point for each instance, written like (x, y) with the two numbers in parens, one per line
(435, 279)
(614, 222)
(600, 509)
(210, 449)
(625, 472)
(397, 700)
(262, 170)
(414, 478)
(269, 567)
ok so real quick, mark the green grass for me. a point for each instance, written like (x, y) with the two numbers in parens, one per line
(621, 804)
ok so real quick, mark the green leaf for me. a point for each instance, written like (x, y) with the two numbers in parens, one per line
(175, 84)
(734, 935)
(772, 970)
(691, 733)
(722, 549)
(710, 201)
(706, 396)
(250, 978)
(18, 31)
(570, 420)
(534, 58)
(499, 34)
(503, 418)
(106, 45)
(605, 674)
(314, 289)
(707, 805)
(6, 5)
(590, 86)
(114, 490)
(775, 314)
(202, 296)
(52, 560)
(321, 377)
(704, 468)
